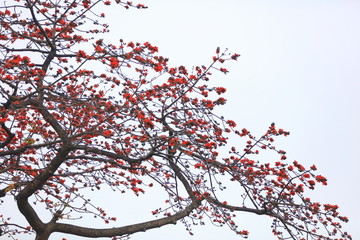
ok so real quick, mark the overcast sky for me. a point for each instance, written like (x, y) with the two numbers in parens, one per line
(299, 67)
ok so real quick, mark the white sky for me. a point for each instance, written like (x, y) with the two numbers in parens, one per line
(299, 67)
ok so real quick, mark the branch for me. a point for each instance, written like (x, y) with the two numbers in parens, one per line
(49, 118)
(24, 148)
(236, 208)
(114, 155)
(39, 25)
(8, 138)
(22, 198)
(129, 229)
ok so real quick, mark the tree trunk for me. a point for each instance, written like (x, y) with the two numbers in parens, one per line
(42, 236)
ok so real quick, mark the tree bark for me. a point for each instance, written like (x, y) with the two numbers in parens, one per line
(43, 236)
(126, 230)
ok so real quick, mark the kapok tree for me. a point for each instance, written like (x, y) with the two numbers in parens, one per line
(78, 113)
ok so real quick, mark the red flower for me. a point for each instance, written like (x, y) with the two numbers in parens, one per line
(114, 62)
(311, 182)
(313, 167)
(306, 175)
(244, 232)
(99, 49)
(158, 68)
(321, 179)
(224, 70)
(235, 56)
(107, 133)
(131, 44)
(231, 123)
(220, 90)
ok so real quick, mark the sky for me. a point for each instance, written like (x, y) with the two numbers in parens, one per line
(299, 67)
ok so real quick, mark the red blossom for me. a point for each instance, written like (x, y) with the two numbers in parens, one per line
(220, 90)
(224, 70)
(321, 179)
(114, 62)
(235, 56)
(98, 48)
(158, 67)
(107, 133)
(231, 123)
(313, 167)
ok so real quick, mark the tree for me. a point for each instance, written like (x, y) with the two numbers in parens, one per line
(79, 114)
